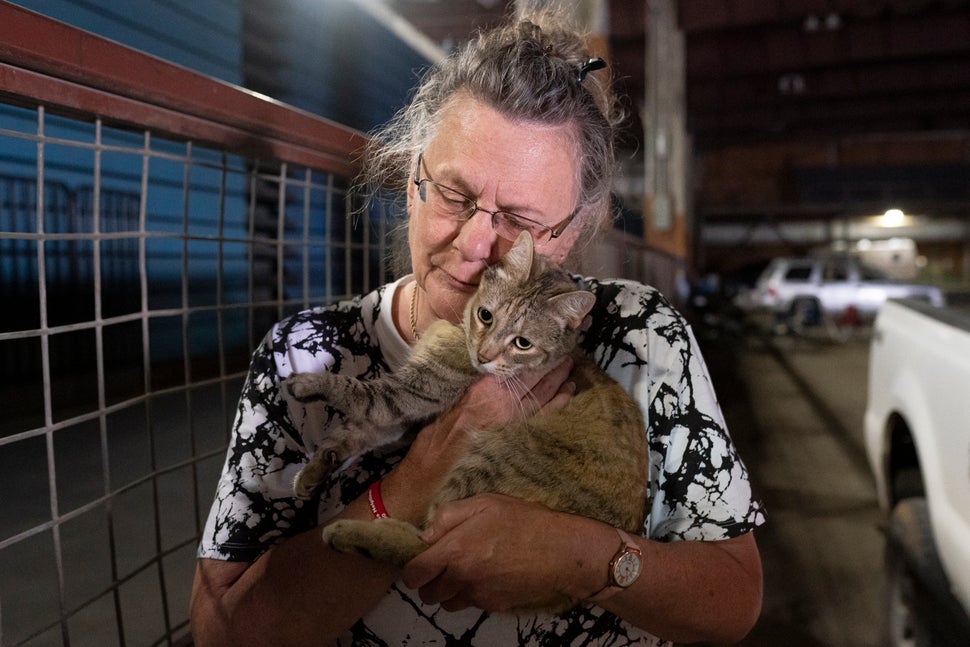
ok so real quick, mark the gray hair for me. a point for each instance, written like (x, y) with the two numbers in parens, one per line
(526, 70)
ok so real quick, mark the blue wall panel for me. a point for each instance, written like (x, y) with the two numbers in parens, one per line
(205, 37)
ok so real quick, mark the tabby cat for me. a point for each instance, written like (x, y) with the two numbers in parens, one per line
(588, 458)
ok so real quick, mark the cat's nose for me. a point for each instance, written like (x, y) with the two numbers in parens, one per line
(486, 354)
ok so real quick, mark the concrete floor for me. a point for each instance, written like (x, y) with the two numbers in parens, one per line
(795, 408)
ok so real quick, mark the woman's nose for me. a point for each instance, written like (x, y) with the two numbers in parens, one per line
(476, 239)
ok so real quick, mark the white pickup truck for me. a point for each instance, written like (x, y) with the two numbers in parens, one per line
(917, 432)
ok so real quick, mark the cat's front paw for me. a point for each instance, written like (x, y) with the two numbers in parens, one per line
(305, 485)
(307, 387)
(314, 473)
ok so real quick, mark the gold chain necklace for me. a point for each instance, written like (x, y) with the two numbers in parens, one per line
(412, 313)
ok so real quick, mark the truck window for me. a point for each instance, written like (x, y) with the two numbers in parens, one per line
(798, 273)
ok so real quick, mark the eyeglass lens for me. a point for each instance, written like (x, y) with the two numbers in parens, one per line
(458, 206)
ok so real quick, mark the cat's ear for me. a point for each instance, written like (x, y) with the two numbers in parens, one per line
(518, 260)
(574, 306)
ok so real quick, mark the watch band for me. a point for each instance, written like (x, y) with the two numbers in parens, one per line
(628, 546)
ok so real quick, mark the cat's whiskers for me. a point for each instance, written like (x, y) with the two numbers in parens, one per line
(520, 393)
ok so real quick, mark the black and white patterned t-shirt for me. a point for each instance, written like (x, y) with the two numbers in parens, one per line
(698, 487)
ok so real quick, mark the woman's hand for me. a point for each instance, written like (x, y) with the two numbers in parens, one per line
(498, 554)
(409, 488)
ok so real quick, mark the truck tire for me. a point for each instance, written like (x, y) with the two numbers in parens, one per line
(920, 608)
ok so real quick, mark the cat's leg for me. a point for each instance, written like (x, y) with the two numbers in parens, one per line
(434, 377)
(386, 540)
(311, 387)
(343, 442)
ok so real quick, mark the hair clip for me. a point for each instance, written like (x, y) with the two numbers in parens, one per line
(591, 65)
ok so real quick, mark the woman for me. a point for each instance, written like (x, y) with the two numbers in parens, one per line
(518, 126)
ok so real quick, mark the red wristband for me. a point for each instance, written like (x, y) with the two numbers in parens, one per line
(375, 501)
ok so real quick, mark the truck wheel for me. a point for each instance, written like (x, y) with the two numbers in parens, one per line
(914, 576)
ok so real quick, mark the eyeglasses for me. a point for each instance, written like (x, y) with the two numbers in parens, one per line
(455, 205)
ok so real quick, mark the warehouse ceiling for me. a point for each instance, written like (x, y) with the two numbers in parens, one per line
(763, 70)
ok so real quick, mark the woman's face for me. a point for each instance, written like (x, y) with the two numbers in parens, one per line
(520, 167)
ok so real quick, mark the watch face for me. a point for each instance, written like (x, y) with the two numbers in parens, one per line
(627, 569)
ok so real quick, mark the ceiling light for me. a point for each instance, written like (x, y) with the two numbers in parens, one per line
(893, 218)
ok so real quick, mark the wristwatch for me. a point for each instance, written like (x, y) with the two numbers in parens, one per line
(624, 568)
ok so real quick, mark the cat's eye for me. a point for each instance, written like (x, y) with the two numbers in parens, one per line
(522, 343)
(485, 316)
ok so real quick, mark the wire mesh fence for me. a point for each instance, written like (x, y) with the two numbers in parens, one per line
(137, 272)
